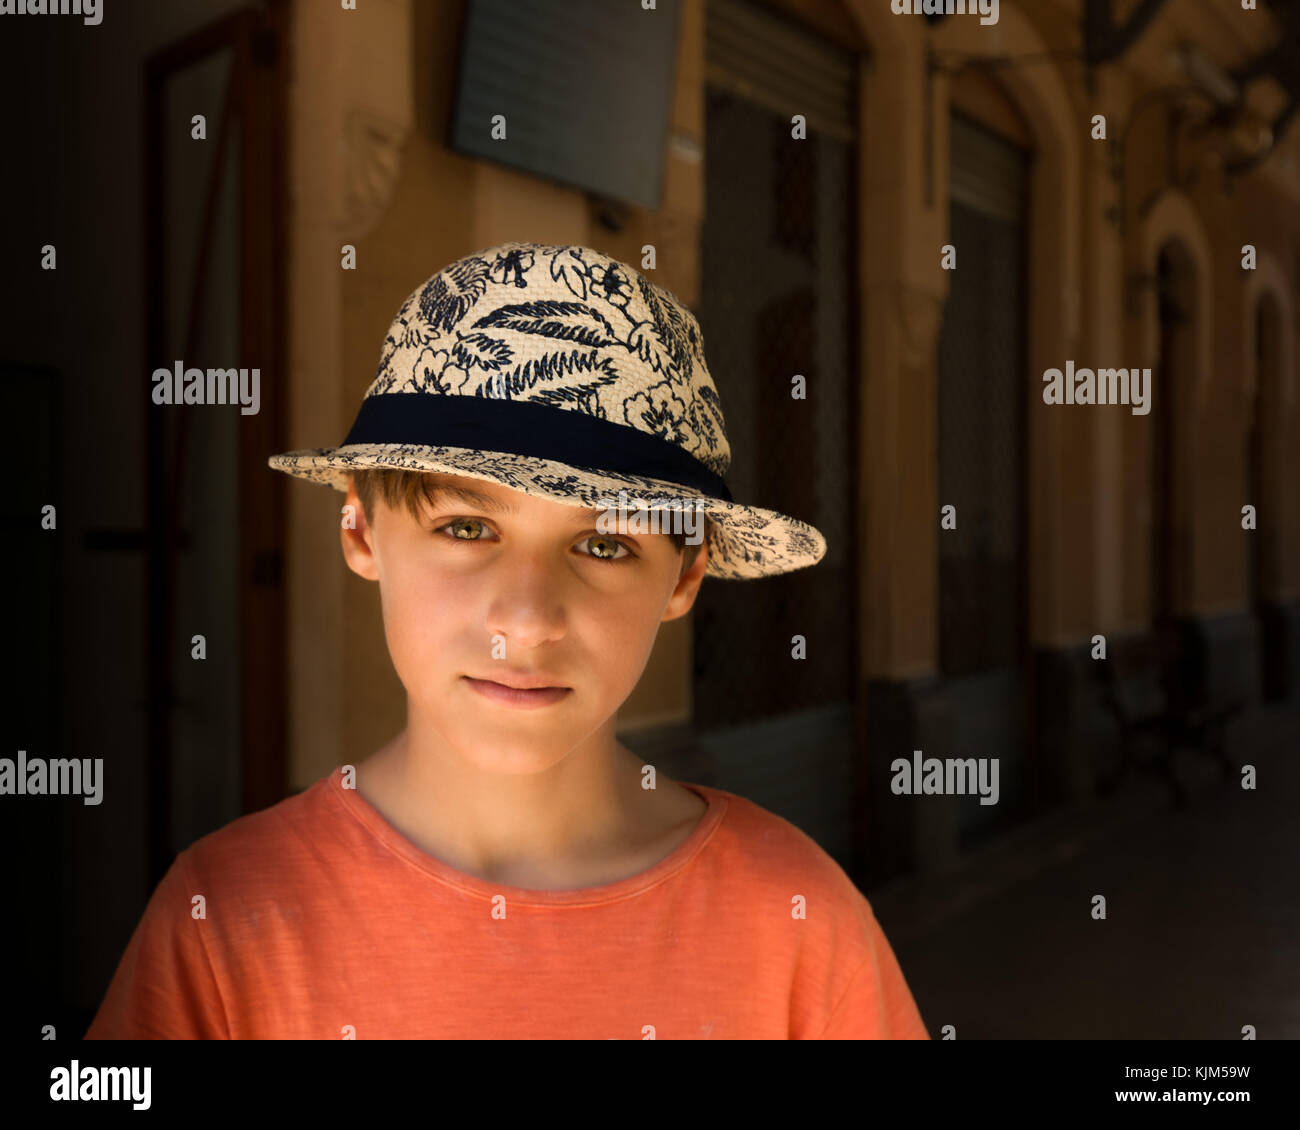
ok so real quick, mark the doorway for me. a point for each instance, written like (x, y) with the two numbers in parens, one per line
(1261, 543)
(778, 265)
(215, 285)
(983, 571)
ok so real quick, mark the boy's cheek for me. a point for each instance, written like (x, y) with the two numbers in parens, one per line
(416, 625)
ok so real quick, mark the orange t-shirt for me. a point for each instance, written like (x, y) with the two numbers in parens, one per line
(322, 922)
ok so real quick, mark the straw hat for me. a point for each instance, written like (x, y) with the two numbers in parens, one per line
(563, 373)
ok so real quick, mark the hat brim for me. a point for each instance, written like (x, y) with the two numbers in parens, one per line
(747, 541)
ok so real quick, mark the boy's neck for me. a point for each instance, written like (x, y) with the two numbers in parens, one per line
(585, 822)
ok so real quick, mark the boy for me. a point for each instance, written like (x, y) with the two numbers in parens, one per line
(535, 482)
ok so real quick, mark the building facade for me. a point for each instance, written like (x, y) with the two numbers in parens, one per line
(976, 205)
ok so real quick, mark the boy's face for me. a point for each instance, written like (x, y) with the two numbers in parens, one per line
(509, 585)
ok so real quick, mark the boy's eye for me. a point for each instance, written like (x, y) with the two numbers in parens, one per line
(462, 522)
(609, 553)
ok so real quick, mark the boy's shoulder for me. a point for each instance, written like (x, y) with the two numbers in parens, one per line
(765, 847)
(277, 840)
(765, 863)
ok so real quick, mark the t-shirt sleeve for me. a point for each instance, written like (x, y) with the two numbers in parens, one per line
(164, 987)
(877, 1004)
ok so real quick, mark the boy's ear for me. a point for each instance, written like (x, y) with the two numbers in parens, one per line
(357, 536)
(688, 585)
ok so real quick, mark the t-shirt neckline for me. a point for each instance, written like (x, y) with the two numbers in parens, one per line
(375, 822)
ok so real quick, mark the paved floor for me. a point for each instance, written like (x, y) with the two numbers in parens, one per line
(1202, 928)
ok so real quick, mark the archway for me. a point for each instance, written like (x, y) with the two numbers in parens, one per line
(1175, 373)
(1261, 453)
(1176, 344)
(984, 644)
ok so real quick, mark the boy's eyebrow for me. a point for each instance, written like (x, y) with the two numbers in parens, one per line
(438, 493)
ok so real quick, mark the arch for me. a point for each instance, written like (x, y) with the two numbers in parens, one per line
(1269, 279)
(1054, 284)
(1032, 583)
(1267, 399)
(1173, 219)
(904, 209)
(1180, 316)
(1040, 95)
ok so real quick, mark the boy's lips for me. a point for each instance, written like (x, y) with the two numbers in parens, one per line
(521, 681)
(517, 696)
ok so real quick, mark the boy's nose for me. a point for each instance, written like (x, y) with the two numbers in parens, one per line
(527, 608)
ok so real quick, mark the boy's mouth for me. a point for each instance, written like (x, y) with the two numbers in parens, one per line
(523, 681)
(515, 695)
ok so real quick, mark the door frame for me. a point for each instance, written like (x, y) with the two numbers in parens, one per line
(257, 95)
